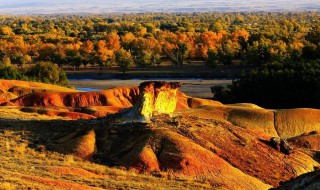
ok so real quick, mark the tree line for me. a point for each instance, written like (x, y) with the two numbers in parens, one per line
(276, 85)
(142, 40)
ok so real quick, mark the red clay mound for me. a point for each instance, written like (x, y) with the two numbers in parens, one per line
(309, 140)
(119, 97)
(249, 118)
(99, 111)
(161, 148)
(82, 144)
(97, 104)
(201, 147)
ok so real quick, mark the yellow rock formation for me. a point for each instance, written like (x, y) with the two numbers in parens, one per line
(154, 98)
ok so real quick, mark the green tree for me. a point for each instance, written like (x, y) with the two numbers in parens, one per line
(156, 59)
(228, 51)
(48, 72)
(277, 85)
(10, 73)
(211, 59)
(143, 59)
(124, 60)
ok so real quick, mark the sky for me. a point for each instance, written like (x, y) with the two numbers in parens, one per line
(110, 6)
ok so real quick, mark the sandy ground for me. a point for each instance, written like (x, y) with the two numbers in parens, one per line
(195, 88)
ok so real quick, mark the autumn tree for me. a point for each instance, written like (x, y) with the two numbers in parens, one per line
(113, 41)
(87, 52)
(5, 30)
(104, 57)
(73, 55)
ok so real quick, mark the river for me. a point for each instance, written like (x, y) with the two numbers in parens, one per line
(191, 86)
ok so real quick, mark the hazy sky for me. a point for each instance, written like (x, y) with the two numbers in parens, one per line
(100, 6)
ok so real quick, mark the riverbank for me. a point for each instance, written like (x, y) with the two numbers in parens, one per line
(196, 79)
(192, 87)
(194, 70)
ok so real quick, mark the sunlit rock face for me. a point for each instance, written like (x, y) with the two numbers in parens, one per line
(155, 98)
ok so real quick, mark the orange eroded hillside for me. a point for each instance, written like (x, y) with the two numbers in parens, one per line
(155, 128)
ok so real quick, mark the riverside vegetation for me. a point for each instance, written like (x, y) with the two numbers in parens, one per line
(142, 40)
(275, 46)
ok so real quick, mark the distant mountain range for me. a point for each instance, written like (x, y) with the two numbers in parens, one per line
(111, 6)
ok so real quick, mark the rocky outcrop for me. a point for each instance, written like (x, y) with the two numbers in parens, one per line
(154, 98)
(188, 145)
(310, 140)
(281, 145)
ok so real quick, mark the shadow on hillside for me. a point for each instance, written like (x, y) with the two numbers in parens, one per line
(45, 133)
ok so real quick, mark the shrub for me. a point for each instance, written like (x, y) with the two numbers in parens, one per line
(275, 85)
(45, 72)
(10, 73)
(48, 72)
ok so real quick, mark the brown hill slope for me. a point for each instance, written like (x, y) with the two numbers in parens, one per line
(219, 142)
(158, 129)
(10, 89)
(99, 104)
(121, 97)
(309, 181)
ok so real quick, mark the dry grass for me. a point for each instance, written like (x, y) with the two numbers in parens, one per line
(15, 113)
(22, 167)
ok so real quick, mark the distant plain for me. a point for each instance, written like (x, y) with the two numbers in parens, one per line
(107, 6)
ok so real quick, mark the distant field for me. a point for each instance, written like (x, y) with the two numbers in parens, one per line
(95, 6)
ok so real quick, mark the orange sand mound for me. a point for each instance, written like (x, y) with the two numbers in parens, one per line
(309, 140)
